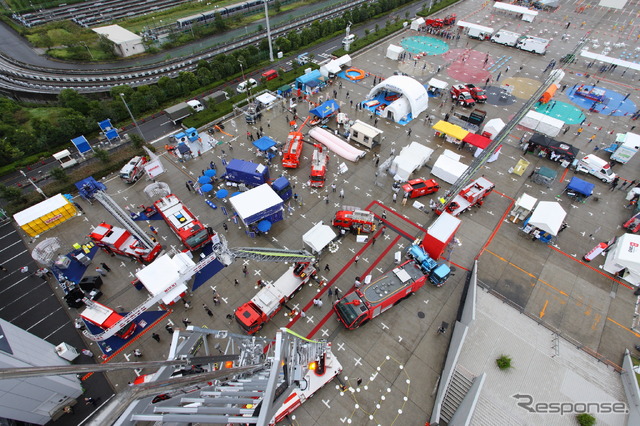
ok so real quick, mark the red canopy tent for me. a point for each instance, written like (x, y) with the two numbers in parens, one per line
(477, 140)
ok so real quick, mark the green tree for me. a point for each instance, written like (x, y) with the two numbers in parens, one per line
(59, 174)
(9, 151)
(585, 419)
(136, 140)
(169, 86)
(69, 98)
(105, 45)
(277, 6)
(11, 194)
(102, 155)
(219, 23)
(46, 41)
(187, 81)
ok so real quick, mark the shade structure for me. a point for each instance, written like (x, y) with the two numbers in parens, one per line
(207, 187)
(210, 172)
(222, 193)
(449, 129)
(477, 140)
(264, 225)
(204, 180)
(548, 216)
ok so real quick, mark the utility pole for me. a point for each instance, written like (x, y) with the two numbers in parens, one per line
(266, 15)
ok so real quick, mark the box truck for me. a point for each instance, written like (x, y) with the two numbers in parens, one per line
(533, 44)
(251, 174)
(508, 38)
(183, 110)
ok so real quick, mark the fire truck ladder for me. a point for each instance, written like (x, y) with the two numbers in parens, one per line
(124, 219)
(271, 254)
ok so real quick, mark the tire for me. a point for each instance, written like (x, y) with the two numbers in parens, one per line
(604, 180)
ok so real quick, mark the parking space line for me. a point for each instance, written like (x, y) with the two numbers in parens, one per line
(44, 318)
(15, 284)
(9, 246)
(6, 235)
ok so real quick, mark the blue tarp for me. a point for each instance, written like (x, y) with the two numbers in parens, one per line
(326, 109)
(580, 186)
(264, 143)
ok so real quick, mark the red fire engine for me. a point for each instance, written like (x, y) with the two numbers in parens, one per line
(291, 158)
(184, 224)
(362, 304)
(318, 167)
(358, 221)
(114, 240)
(419, 187)
(254, 314)
(105, 318)
(471, 195)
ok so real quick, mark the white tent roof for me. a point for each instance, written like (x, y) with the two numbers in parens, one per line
(164, 273)
(416, 23)
(266, 98)
(548, 216)
(515, 9)
(464, 24)
(438, 84)
(609, 60)
(411, 89)
(318, 237)
(493, 127)
(42, 208)
(526, 201)
(255, 200)
(625, 254)
(393, 51)
(117, 34)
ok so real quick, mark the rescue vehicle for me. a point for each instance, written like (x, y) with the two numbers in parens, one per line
(438, 273)
(291, 157)
(104, 317)
(477, 93)
(419, 187)
(319, 163)
(360, 305)
(471, 195)
(450, 19)
(184, 224)
(461, 95)
(434, 22)
(114, 240)
(633, 224)
(254, 314)
(356, 220)
(134, 169)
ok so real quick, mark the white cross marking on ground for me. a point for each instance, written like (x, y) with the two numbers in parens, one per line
(384, 326)
(426, 302)
(357, 361)
(400, 246)
(257, 272)
(130, 273)
(245, 261)
(341, 346)
(399, 339)
(295, 307)
(324, 332)
(310, 320)
(274, 239)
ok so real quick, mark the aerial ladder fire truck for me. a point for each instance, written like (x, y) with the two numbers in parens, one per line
(471, 195)
(131, 241)
(362, 304)
(291, 157)
(319, 163)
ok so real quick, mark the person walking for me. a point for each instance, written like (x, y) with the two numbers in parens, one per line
(187, 304)
(318, 302)
(579, 131)
(207, 310)
(89, 401)
(156, 337)
(216, 299)
(105, 267)
(333, 187)
(326, 268)
(188, 186)
(225, 227)
(336, 292)
(356, 259)
(137, 353)
(236, 282)
(169, 328)
(101, 271)
(341, 192)
(186, 322)
(614, 183)
(330, 293)
(395, 196)
(244, 270)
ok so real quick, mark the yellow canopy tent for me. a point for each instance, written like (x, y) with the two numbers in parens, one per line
(450, 129)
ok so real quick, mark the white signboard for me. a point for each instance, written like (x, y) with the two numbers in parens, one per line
(154, 168)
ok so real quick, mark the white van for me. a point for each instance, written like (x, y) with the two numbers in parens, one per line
(508, 38)
(596, 166)
(246, 85)
(196, 105)
(533, 44)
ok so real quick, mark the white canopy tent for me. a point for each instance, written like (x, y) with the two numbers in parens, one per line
(318, 237)
(609, 60)
(527, 14)
(266, 99)
(394, 52)
(448, 167)
(542, 123)
(411, 158)
(417, 23)
(414, 99)
(624, 258)
(493, 127)
(164, 275)
(335, 65)
(438, 84)
(548, 216)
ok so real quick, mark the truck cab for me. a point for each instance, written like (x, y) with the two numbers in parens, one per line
(282, 187)
(477, 93)
(461, 95)
(133, 170)
(196, 105)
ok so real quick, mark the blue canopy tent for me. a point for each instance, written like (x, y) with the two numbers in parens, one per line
(327, 109)
(309, 82)
(265, 144)
(82, 144)
(579, 189)
(264, 225)
(204, 179)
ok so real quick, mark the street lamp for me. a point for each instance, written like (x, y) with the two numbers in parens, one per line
(266, 15)
(40, 191)
(132, 117)
(87, 47)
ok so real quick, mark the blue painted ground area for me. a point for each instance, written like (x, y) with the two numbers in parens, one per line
(114, 343)
(427, 45)
(76, 270)
(208, 271)
(601, 100)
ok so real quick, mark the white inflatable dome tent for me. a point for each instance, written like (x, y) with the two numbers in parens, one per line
(413, 97)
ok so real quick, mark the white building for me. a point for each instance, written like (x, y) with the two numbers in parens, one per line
(32, 399)
(125, 42)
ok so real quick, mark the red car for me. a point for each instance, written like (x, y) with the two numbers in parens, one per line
(419, 187)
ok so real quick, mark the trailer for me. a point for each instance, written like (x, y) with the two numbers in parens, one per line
(246, 172)
(184, 224)
(471, 195)
(114, 240)
(365, 134)
(134, 169)
(291, 158)
(533, 44)
(361, 305)
(319, 163)
(254, 314)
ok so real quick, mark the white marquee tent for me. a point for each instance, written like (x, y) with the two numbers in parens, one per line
(413, 100)
(318, 237)
(394, 52)
(548, 216)
(625, 255)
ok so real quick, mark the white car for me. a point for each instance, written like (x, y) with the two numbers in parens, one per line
(246, 85)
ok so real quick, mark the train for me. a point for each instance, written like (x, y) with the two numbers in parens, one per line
(233, 9)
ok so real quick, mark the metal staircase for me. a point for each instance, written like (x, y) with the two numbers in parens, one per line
(456, 391)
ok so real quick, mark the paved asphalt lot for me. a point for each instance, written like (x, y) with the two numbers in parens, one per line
(399, 354)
